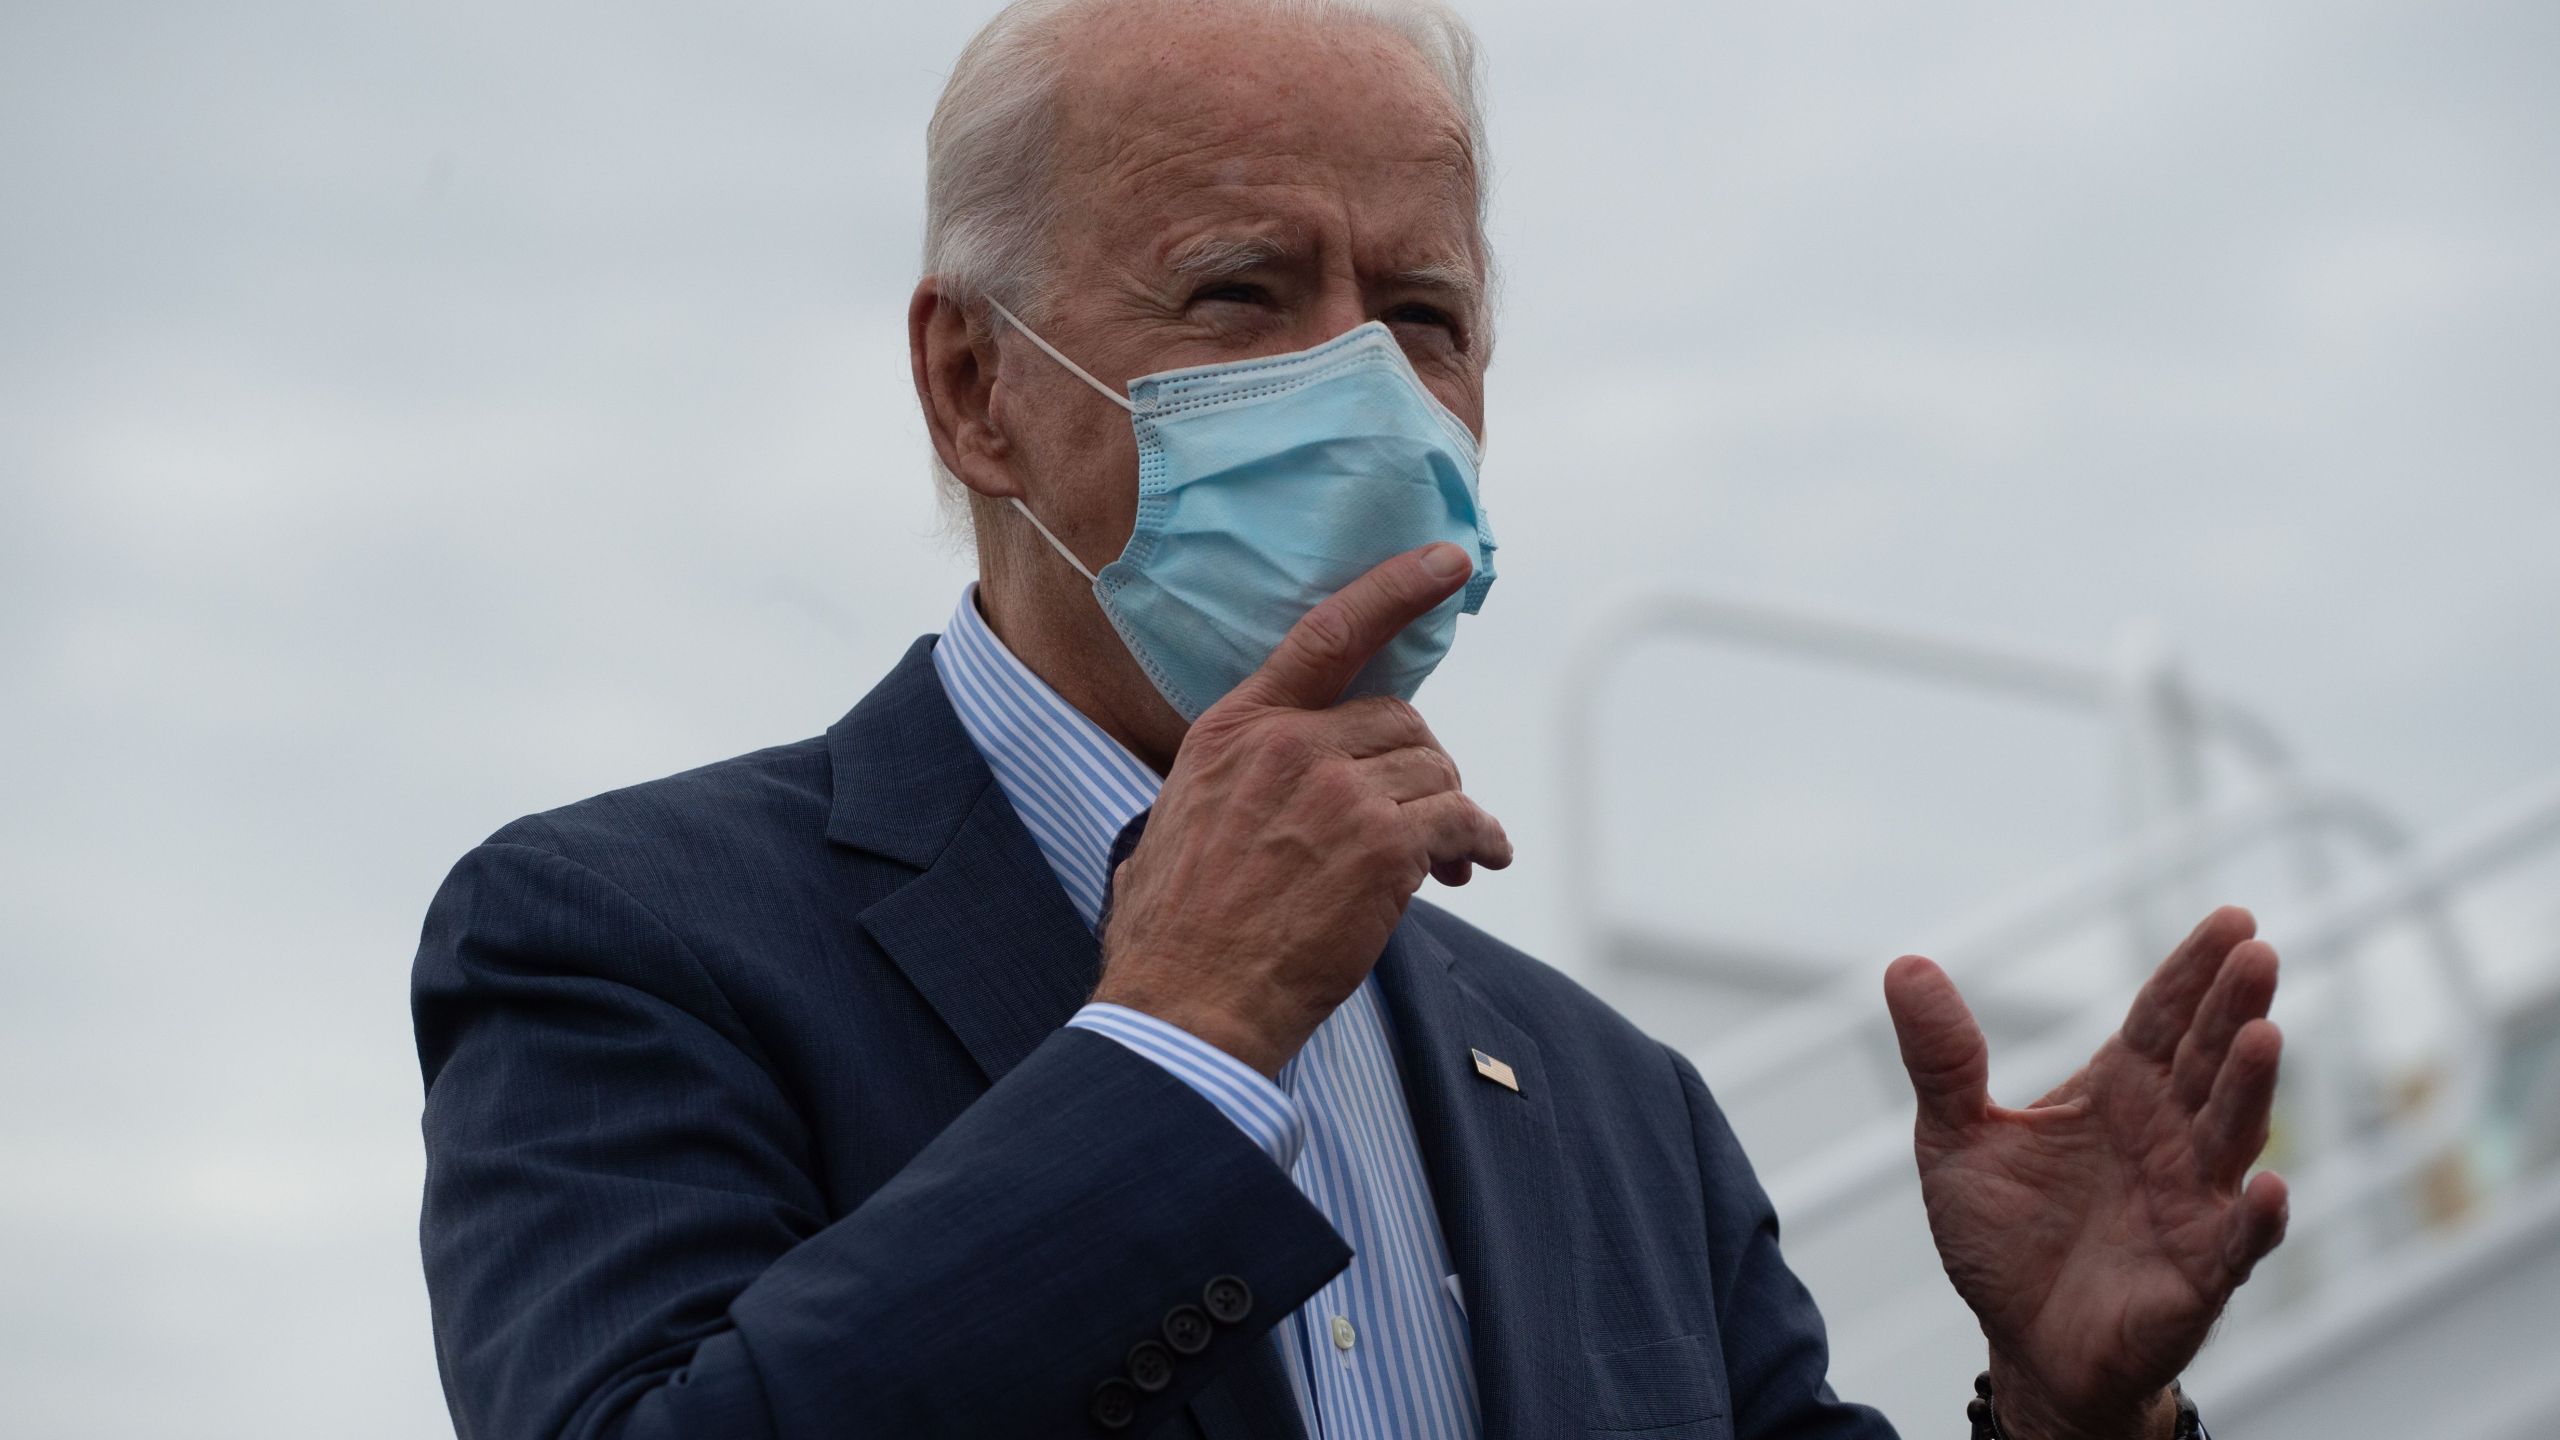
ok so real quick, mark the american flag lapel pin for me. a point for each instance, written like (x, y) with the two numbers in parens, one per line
(1495, 1071)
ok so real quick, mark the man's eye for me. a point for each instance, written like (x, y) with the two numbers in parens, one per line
(1234, 292)
(1417, 313)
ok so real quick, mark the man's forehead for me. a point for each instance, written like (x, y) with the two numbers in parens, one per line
(1228, 119)
(1214, 59)
(1234, 119)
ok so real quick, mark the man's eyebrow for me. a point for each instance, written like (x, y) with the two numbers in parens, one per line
(1447, 277)
(1218, 257)
(1222, 257)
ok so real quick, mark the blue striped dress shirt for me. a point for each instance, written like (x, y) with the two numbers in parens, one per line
(1381, 1351)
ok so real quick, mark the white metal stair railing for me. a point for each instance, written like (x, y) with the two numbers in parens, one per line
(2144, 696)
(1845, 1008)
(2354, 1158)
(2142, 693)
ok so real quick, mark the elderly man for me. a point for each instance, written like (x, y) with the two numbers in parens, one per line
(1056, 1047)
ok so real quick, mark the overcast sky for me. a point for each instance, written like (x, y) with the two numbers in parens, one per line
(412, 416)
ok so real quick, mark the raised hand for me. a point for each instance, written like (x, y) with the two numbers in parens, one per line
(1293, 831)
(2098, 1233)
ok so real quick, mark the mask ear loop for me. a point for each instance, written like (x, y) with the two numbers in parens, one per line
(1055, 543)
(1078, 371)
(1105, 391)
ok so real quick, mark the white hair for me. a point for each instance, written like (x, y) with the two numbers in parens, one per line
(989, 206)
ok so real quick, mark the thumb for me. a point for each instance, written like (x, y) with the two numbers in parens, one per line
(1324, 651)
(1942, 1047)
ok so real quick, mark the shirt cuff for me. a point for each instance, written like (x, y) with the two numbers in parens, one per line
(1263, 1111)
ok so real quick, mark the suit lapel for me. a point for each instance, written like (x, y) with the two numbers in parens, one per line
(1497, 1178)
(984, 933)
(990, 940)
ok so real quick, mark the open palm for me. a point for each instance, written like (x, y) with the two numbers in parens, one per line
(2098, 1233)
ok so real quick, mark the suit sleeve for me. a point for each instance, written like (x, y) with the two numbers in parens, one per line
(625, 1233)
(1777, 1359)
(1262, 1110)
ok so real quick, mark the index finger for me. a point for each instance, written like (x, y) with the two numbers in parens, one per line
(1324, 651)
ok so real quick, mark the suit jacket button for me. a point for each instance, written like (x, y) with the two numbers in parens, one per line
(1228, 1298)
(1150, 1366)
(1186, 1329)
(1115, 1404)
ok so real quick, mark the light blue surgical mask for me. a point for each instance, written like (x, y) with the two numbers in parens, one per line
(1266, 485)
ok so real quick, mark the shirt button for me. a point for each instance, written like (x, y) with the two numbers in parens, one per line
(1344, 1337)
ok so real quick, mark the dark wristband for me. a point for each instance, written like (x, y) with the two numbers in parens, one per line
(1985, 1415)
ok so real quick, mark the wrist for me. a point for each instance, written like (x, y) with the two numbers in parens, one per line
(2027, 1411)
(1209, 1023)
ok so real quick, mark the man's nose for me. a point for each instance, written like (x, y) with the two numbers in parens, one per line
(1333, 310)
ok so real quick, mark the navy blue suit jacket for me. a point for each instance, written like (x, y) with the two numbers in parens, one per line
(750, 1113)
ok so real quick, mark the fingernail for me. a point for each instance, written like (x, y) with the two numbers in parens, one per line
(1445, 561)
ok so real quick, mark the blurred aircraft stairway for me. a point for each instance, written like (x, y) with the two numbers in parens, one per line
(2418, 1291)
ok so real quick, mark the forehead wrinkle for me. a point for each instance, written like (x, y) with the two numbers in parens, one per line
(1129, 134)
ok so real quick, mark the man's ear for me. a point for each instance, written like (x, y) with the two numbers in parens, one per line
(955, 371)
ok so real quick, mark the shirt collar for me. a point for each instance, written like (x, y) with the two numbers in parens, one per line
(1073, 785)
